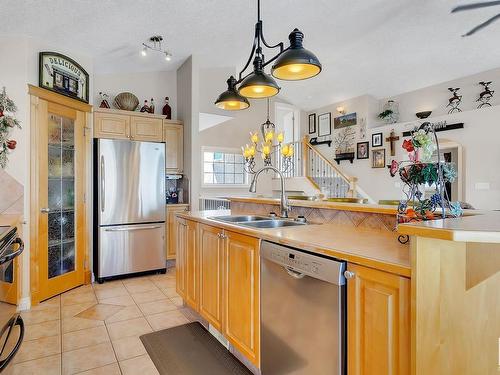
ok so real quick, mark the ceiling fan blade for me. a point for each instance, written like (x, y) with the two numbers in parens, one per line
(483, 25)
(483, 4)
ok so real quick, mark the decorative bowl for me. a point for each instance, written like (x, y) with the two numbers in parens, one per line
(422, 115)
(126, 101)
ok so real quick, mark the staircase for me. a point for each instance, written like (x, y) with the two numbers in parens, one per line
(319, 173)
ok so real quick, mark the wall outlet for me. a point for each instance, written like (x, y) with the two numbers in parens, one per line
(482, 186)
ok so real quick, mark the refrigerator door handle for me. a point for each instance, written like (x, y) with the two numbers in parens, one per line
(126, 229)
(102, 185)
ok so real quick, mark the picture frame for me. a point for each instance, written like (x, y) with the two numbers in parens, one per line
(344, 121)
(363, 150)
(377, 139)
(63, 75)
(324, 124)
(378, 158)
(312, 123)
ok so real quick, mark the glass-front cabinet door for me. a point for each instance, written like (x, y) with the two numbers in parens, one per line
(61, 218)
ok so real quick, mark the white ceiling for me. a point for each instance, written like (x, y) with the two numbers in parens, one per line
(377, 47)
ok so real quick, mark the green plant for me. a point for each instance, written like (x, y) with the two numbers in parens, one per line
(385, 114)
(7, 123)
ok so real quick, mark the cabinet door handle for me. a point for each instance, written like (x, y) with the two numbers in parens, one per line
(44, 210)
(349, 274)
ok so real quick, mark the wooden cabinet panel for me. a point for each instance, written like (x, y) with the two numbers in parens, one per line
(173, 138)
(241, 294)
(211, 248)
(192, 265)
(146, 129)
(108, 125)
(170, 230)
(180, 263)
(378, 314)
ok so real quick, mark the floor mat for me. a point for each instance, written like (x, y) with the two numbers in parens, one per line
(190, 350)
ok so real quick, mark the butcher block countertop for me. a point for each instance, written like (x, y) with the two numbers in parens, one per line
(367, 247)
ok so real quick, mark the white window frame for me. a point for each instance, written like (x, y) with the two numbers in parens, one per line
(226, 150)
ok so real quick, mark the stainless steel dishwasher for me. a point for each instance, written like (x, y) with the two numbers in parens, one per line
(303, 312)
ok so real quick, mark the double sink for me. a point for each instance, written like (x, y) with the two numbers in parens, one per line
(261, 222)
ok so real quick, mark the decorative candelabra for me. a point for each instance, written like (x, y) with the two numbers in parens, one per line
(270, 143)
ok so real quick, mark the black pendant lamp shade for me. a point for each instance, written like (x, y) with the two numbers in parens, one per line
(258, 85)
(230, 100)
(296, 62)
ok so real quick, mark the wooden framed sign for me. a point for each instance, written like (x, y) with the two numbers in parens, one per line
(63, 75)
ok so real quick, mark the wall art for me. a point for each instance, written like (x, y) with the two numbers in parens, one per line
(486, 95)
(377, 139)
(344, 121)
(324, 124)
(378, 158)
(312, 123)
(8, 122)
(455, 101)
(63, 75)
(362, 150)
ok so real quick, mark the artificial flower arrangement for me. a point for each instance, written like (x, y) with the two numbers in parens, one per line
(7, 123)
(421, 170)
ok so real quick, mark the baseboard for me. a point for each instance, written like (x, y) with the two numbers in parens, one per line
(24, 304)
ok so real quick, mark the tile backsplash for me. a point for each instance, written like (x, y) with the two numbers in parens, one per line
(11, 194)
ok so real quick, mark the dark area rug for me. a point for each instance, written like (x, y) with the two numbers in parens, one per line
(190, 350)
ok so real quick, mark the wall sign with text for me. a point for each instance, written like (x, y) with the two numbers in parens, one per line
(63, 75)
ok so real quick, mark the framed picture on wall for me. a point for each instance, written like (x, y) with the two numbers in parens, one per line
(377, 139)
(312, 123)
(378, 158)
(363, 150)
(324, 124)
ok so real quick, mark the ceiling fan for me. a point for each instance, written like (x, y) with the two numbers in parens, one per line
(483, 4)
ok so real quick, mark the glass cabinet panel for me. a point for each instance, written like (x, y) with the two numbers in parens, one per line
(61, 193)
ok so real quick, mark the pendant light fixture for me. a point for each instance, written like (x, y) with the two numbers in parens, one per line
(293, 63)
(230, 100)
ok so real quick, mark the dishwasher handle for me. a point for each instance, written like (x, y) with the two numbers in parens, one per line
(293, 273)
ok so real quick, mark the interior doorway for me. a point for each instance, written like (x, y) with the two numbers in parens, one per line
(287, 120)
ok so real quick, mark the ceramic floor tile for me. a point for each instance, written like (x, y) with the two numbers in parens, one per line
(84, 337)
(128, 347)
(177, 301)
(126, 313)
(88, 358)
(75, 324)
(166, 320)
(148, 296)
(107, 285)
(73, 310)
(122, 301)
(111, 292)
(39, 348)
(132, 327)
(139, 365)
(81, 289)
(140, 286)
(43, 366)
(170, 292)
(45, 329)
(112, 369)
(78, 298)
(100, 311)
(155, 307)
(50, 303)
(164, 283)
(40, 316)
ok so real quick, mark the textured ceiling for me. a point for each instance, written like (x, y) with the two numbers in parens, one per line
(377, 47)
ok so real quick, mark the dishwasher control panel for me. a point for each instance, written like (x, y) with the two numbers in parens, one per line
(309, 264)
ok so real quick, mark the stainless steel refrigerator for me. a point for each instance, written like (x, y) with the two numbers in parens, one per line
(129, 207)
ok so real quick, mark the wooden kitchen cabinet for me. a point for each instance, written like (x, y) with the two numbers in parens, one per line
(192, 265)
(174, 143)
(180, 263)
(378, 322)
(170, 229)
(146, 129)
(241, 294)
(111, 125)
(211, 250)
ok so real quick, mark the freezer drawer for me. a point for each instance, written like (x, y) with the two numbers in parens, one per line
(127, 249)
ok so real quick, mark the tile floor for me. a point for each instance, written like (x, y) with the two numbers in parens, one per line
(95, 329)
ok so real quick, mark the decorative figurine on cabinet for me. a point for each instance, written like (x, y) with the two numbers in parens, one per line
(167, 111)
(455, 101)
(104, 100)
(145, 107)
(486, 95)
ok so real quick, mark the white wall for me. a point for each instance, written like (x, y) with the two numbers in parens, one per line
(479, 138)
(156, 85)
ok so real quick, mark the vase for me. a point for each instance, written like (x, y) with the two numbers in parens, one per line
(392, 106)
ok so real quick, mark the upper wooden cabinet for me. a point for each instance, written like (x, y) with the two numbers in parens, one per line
(174, 143)
(241, 294)
(378, 328)
(146, 129)
(110, 125)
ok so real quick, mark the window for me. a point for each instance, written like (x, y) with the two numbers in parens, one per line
(223, 167)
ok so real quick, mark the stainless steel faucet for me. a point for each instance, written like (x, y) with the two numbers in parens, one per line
(283, 202)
